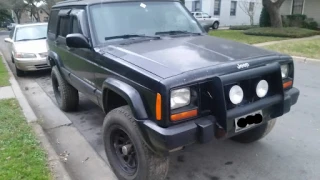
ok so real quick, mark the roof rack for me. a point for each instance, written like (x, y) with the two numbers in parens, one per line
(67, 1)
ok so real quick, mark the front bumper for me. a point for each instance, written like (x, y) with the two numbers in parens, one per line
(205, 129)
(31, 64)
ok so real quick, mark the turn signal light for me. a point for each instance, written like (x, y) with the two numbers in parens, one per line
(158, 107)
(184, 115)
(287, 84)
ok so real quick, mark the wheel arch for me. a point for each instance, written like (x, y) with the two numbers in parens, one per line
(54, 59)
(114, 88)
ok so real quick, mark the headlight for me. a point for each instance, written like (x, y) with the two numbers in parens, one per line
(25, 55)
(262, 88)
(284, 71)
(236, 94)
(180, 98)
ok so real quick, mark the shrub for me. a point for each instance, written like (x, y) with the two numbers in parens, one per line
(290, 32)
(311, 25)
(242, 27)
(264, 18)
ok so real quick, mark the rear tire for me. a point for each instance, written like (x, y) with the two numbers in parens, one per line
(19, 72)
(120, 130)
(256, 133)
(66, 95)
(215, 25)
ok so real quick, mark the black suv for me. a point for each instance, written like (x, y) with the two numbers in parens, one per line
(162, 81)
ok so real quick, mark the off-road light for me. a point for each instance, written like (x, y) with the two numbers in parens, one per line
(236, 94)
(262, 88)
(180, 98)
(284, 71)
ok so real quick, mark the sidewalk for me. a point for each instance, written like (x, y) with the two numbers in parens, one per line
(287, 40)
(14, 92)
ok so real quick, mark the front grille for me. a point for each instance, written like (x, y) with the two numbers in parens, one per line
(42, 66)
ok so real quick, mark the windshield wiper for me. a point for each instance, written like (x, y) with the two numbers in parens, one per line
(176, 33)
(40, 38)
(128, 36)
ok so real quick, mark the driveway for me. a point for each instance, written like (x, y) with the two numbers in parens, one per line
(290, 151)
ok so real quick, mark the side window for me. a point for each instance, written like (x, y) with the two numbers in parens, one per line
(53, 22)
(64, 26)
(205, 15)
(198, 15)
(12, 32)
(75, 26)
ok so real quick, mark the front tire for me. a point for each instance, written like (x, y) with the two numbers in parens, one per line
(127, 152)
(256, 133)
(66, 95)
(215, 25)
(19, 72)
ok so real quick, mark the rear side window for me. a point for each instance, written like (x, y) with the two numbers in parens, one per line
(64, 26)
(53, 21)
(75, 26)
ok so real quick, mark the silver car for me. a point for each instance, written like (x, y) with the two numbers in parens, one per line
(28, 47)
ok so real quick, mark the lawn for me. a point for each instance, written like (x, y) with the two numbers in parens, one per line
(240, 37)
(4, 76)
(306, 48)
(21, 156)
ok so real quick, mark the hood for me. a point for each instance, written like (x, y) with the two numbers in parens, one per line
(36, 46)
(169, 57)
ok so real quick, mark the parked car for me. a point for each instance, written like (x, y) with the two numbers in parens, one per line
(11, 26)
(28, 47)
(206, 20)
(162, 81)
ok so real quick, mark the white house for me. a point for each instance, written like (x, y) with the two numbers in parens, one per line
(311, 8)
(230, 12)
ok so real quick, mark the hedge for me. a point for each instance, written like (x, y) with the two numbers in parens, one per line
(242, 27)
(289, 32)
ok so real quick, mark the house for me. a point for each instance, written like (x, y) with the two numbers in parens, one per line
(230, 12)
(310, 8)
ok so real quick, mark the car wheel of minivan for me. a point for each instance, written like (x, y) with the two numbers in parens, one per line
(127, 152)
(215, 25)
(19, 72)
(256, 133)
(66, 95)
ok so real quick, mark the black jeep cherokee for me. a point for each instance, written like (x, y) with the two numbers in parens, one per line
(162, 82)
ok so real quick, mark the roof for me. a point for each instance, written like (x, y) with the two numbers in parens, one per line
(90, 2)
(30, 24)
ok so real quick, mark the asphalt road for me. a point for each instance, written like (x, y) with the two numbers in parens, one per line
(290, 151)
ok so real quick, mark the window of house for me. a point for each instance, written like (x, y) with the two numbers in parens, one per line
(53, 21)
(217, 6)
(197, 6)
(64, 26)
(251, 6)
(233, 8)
(297, 6)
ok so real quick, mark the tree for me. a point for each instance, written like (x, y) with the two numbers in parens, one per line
(248, 7)
(46, 7)
(17, 6)
(5, 15)
(273, 7)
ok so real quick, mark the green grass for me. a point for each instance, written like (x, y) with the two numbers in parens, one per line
(304, 48)
(4, 76)
(289, 32)
(241, 37)
(21, 156)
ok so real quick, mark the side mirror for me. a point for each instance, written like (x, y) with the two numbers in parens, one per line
(77, 41)
(8, 40)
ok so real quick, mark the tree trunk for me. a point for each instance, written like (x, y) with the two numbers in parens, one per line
(17, 16)
(275, 16)
(273, 7)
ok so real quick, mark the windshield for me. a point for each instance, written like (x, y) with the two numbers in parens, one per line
(31, 33)
(147, 18)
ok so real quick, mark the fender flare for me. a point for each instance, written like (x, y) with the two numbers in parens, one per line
(130, 94)
(53, 58)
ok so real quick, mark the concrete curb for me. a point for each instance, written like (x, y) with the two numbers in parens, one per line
(56, 166)
(305, 59)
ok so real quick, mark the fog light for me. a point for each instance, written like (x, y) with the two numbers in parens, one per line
(262, 88)
(236, 94)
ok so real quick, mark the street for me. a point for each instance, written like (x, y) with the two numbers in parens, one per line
(290, 151)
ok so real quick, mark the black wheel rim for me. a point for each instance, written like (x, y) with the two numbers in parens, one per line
(56, 89)
(124, 151)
